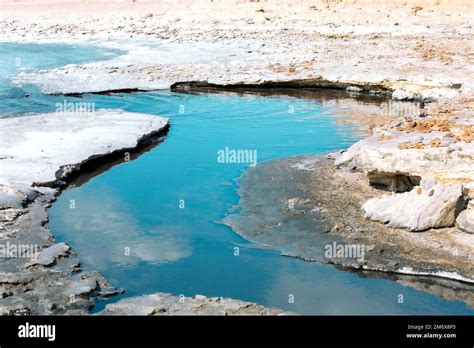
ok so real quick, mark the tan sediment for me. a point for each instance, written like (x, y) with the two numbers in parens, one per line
(447, 249)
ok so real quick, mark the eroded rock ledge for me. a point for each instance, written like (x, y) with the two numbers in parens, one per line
(425, 165)
(39, 154)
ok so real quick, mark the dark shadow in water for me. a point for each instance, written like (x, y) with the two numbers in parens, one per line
(320, 94)
(107, 92)
(336, 101)
(265, 90)
(447, 289)
(318, 83)
(98, 165)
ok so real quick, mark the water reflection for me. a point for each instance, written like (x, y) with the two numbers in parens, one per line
(114, 237)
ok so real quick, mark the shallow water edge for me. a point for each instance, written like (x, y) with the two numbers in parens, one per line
(301, 206)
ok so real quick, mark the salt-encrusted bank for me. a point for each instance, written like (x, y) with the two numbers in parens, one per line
(414, 52)
(38, 154)
(408, 53)
(424, 166)
(44, 148)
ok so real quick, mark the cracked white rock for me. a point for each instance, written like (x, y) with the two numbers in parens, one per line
(81, 287)
(435, 94)
(465, 220)
(417, 210)
(47, 256)
(400, 94)
(453, 162)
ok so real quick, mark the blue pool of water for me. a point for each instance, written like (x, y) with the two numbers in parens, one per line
(153, 224)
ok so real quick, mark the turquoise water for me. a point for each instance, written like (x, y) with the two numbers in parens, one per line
(153, 224)
(20, 58)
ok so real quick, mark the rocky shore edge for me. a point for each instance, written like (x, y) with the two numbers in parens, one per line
(37, 274)
(320, 209)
